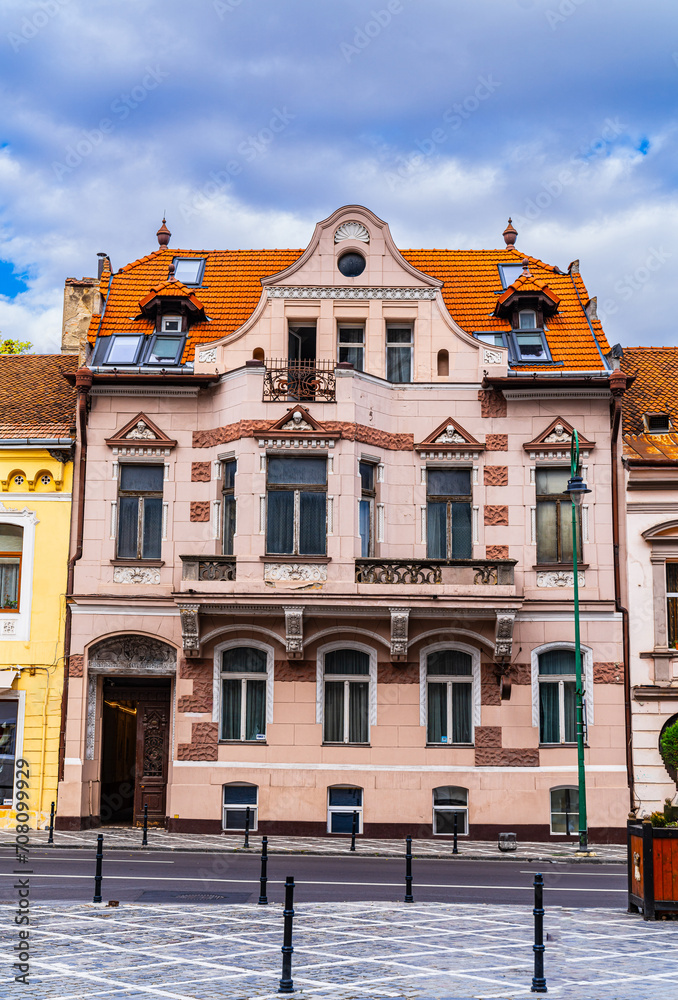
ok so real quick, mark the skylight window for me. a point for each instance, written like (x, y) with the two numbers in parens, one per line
(189, 270)
(118, 349)
(530, 347)
(658, 422)
(493, 339)
(165, 350)
(509, 273)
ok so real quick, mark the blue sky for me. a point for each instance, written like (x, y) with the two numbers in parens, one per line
(247, 121)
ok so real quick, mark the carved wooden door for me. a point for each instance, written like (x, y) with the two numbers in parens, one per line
(153, 722)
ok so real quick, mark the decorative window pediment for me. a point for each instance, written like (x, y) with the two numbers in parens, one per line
(558, 435)
(140, 437)
(299, 420)
(450, 436)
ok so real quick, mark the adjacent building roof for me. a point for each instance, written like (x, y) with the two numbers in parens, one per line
(231, 288)
(36, 401)
(653, 392)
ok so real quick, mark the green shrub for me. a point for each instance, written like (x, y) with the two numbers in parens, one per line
(668, 746)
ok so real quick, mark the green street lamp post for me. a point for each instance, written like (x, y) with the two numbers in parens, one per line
(576, 488)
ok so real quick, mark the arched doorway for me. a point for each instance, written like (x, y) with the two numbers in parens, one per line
(129, 695)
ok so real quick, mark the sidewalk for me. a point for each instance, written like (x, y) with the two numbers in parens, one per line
(342, 951)
(472, 850)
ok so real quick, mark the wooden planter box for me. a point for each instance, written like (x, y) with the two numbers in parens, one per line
(652, 869)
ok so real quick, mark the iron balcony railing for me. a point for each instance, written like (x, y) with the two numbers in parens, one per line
(299, 381)
(470, 572)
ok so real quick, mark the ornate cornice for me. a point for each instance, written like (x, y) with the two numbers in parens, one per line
(347, 292)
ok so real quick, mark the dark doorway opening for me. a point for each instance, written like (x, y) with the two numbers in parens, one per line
(301, 344)
(134, 749)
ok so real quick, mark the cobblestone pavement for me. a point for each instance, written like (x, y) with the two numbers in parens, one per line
(343, 951)
(159, 840)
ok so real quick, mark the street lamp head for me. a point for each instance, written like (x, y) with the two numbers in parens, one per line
(576, 488)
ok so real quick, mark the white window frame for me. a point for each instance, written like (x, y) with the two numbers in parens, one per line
(254, 809)
(475, 687)
(555, 833)
(400, 326)
(587, 678)
(20, 697)
(460, 810)
(217, 678)
(371, 498)
(344, 809)
(527, 312)
(17, 625)
(171, 318)
(362, 346)
(320, 687)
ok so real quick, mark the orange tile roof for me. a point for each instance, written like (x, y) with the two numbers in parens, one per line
(231, 288)
(35, 399)
(654, 390)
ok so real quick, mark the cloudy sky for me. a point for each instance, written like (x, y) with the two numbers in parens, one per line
(246, 121)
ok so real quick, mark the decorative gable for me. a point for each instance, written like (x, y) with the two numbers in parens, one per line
(140, 437)
(555, 441)
(448, 439)
(299, 429)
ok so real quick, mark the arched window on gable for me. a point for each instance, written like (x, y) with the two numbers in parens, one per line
(443, 362)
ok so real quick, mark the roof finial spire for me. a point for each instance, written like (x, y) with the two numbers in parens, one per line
(510, 234)
(163, 234)
(526, 268)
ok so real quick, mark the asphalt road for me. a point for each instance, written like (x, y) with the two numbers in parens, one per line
(173, 877)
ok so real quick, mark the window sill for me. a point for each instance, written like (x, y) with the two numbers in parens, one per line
(9, 611)
(295, 559)
(137, 562)
(346, 744)
(446, 746)
(244, 743)
(561, 565)
(561, 746)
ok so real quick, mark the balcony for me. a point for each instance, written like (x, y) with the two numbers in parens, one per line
(299, 381)
(459, 572)
(208, 568)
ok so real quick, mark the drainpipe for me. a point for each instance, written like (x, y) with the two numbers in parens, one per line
(83, 383)
(618, 382)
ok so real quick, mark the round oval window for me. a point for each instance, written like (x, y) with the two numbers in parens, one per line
(351, 264)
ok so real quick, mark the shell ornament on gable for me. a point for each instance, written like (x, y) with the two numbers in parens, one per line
(352, 231)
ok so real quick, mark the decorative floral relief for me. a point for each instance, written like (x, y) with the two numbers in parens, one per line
(558, 578)
(491, 357)
(280, 572)
(136, 574)
(352, 231)
(347, 292)
(8, 627)
(208, 356)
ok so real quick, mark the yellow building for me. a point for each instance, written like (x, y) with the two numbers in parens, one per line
(37, 414)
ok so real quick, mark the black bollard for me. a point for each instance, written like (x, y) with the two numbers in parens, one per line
(263, 898)
(286, 983)
(50, 839)
(538, 981)
(97, 873)
(144, 839)
(409, 898)
(247, 827)
(353, 826)
(455, 830)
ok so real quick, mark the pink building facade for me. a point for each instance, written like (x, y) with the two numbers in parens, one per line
(322, 562)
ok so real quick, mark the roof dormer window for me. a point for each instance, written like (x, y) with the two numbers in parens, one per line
(189, 270)
(165, 350)
(527, 319)
(657, 423)
(171, 324)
